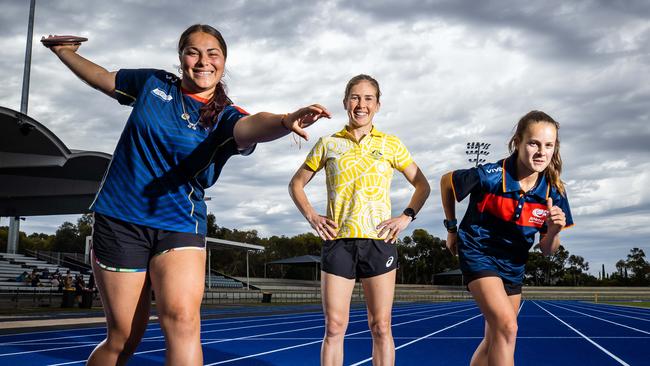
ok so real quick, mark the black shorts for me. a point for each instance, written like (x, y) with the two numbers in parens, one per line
(121, 246)
(511, 288)
(358, 258)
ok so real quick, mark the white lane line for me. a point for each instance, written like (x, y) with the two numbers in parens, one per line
(601, 319)
(421, 338)
(321, 340)
(612, 310)
(316, 316)
(262, 335)
(637, 310)
(204, 325)
(360, 313)
(585, 337)
(588, 308)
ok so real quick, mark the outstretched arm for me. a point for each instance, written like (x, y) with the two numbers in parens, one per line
(264, 126)
(449, 207)
(325, 227)
(91, 73)
(393, 226)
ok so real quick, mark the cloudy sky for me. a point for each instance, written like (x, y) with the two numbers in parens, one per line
(450, 72)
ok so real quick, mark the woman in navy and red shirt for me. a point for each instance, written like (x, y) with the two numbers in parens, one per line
(510, 201)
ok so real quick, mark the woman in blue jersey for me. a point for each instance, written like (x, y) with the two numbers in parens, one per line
(510, 202)
(150, 214)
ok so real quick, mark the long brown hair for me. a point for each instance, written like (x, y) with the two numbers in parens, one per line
(359, 78)
(554, 168)
(219, 100)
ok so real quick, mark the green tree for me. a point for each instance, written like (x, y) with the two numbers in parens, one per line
(66, 239)
(638, 265)
(576, 269)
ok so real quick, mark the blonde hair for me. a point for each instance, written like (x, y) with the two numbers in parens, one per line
(359, 78)
(554, 168)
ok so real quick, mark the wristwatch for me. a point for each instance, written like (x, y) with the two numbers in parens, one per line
(450, 225)
(410, 213)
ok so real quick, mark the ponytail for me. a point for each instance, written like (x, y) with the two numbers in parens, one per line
(210, 111)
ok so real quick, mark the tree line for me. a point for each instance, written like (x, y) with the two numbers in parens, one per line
(421, 256)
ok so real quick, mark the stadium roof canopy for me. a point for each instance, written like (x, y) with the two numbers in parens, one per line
(221, 243)
(303, 259)
(39, 175)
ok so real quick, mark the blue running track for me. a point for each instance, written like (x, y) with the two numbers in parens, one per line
(550, 333)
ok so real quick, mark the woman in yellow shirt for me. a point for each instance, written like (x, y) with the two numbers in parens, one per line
(358, 230)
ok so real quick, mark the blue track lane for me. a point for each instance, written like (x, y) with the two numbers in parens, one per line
(550, 333)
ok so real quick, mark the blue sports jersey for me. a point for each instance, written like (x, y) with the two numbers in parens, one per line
(501, 221)
(162, 163)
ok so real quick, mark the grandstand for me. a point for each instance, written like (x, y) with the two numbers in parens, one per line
(12, 265)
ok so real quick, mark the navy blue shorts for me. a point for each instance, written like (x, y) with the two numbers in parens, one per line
(121, 246)
(511, 288)
(358, 258)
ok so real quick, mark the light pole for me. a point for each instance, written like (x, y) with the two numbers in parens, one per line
(477, 151)
(14, 221)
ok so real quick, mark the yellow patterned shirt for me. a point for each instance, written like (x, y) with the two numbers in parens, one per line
(358, 176)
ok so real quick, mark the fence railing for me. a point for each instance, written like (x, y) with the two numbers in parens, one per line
(42, 297)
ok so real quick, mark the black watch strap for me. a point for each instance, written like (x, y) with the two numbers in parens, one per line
(410, 213)
(451, 225)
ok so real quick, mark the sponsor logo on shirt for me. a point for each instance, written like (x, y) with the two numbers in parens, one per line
(390, 261)
(376, 154)
(538, 217)
(162, 95)
(494, 170)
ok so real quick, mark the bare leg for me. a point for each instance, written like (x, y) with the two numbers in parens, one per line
(336, 293)
(500, 312)
(178, 279)
(379, 292)
(126, 298)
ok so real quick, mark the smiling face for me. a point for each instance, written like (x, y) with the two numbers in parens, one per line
(202, 61)
(536, 147)
(361, 103)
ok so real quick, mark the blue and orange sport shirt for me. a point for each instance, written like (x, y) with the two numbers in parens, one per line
(163, 163)
(501, 221)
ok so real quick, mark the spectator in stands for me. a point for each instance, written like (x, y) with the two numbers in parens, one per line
(35, 278)
(56, 283)
(23, 278)
(181, 132)
(46, 273)
(68, 282)
(91, 282)
(358, 230)
(79, 287)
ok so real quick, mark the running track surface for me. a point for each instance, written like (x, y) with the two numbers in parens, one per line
(550, 333)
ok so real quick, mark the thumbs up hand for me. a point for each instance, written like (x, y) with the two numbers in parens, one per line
(555, 220)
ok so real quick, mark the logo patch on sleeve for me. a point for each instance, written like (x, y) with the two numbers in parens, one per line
(162, 95)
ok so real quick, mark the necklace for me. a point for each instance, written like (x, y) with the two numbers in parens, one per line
(186, 116)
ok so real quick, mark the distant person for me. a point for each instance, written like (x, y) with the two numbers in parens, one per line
(149, 214)
(358, 230)
(46, 273)
(68, 283)
(79, 287)
(35, 278)
(55, 283)
(510, 201)
(23, 277)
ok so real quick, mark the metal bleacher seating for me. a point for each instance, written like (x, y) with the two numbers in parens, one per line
(219, 281)
(12, 265)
